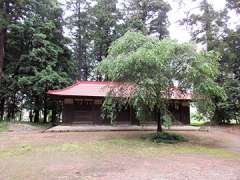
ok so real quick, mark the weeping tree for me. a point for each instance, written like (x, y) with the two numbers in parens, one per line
(151, 66)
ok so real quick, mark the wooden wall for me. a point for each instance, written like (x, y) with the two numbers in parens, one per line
(180, 111)
(88, 111)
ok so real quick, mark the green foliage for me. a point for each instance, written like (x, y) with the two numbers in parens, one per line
(37, 55)
(37, 58)
(109, 110)
(200, 123)
(206, 24)
(210, 28)
(229, 78)
(152, 65)
(198, 117)
(80, 24)
(11, 11)
(93, 28)
(149, 17)
(167, 121)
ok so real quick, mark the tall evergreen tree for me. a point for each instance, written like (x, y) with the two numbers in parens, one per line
(148, 16)
(80, 23)
(206, 26)
(106, 16)
(228, 46)
(230, 51)
(93, 28)
(10, 11)
(210, 28)
(37, 58)
(2, 37)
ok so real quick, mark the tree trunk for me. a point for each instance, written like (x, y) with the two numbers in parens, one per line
(2, 102)
(45, 109)
(217, 118)
(2, 54)
(31, 116)
(5, 11)
(36, 115)
(20, 115)
(8, 112)
(13, 112)
(13, 108)
(10, 109)
(159, 122)
(36, 110)
(45, 113)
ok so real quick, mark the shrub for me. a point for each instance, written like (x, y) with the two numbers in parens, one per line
(168, 138)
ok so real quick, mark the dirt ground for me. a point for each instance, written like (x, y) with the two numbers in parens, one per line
(31, 154)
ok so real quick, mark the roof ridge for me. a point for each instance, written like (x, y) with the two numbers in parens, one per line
(66, 88)
(95, 82)
(81, 82)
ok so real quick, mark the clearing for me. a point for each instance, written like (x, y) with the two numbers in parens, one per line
(31, 154)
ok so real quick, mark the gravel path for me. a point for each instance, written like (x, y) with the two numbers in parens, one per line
(118, 156)
(226, 138)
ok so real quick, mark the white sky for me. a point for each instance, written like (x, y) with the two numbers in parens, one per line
(178, 32)
(181, 33)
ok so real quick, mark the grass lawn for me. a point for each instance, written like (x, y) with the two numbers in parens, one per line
(134, 147)
(3, 126)
(199, 123)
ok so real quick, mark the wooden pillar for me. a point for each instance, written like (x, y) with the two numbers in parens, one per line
(92, 104)
(31, 115)
(130, 114)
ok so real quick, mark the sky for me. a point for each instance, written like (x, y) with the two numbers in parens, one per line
(178, 32)
(178, 12)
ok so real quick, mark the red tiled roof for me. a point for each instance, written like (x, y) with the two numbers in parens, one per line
(102, 89)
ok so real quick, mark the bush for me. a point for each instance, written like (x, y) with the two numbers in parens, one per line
(198, 117)
(167, 121)
(168, 138)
